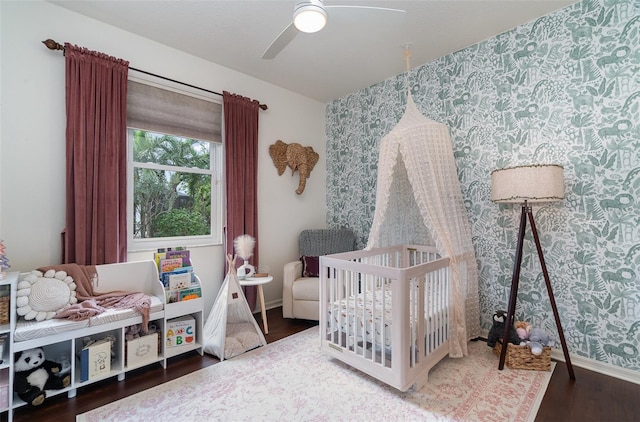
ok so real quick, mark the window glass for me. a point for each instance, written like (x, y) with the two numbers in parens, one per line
(172, 182)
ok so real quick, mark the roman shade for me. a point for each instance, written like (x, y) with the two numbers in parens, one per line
(169, 112)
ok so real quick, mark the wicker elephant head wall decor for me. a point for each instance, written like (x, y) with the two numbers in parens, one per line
(298, 158)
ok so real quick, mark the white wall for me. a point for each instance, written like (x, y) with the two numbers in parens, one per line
(32, 139)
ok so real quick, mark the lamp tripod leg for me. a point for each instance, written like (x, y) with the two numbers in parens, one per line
(551, 296)
(511, 310)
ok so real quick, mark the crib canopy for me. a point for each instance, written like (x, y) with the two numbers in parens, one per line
(419, 201)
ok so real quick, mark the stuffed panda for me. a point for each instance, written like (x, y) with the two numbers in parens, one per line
(34, 374)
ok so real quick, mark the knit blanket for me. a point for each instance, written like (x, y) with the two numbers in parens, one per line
(92, 303)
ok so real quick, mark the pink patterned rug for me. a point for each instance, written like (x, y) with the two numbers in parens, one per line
(291, 380)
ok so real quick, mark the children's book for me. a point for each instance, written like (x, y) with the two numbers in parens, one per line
(187, 294)
(170, 264)
(95, 360)
(184, 254)
(179, 281)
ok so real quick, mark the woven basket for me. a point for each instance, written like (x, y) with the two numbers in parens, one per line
(4, 310)
(520, 357)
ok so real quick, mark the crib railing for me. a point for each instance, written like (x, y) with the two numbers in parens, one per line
(385, 311)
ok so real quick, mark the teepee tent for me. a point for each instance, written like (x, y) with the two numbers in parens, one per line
(419, 201)
(231, 329)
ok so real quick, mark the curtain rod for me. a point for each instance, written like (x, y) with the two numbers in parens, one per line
(52, 45)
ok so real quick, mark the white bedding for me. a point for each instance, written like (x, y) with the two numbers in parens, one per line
(371, 316)
(29, 330)
(341, 315)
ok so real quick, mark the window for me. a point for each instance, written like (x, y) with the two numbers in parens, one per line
(174, 169)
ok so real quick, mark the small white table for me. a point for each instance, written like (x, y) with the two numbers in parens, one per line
(259, 281)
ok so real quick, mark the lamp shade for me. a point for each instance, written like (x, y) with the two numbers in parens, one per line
(531, 183)
(309, 16)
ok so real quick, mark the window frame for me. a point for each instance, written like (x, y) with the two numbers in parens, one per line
(216, 154)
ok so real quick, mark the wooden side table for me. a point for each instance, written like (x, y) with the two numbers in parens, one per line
(259, 281)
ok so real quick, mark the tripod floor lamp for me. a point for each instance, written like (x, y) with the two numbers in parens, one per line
(535, 183)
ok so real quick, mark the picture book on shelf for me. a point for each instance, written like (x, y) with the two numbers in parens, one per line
(170, 264)
(95, 360)
(164, 277)
(179, 281)
(187, 294)
(184, 254)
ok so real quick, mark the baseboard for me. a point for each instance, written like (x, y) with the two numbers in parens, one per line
(592, 365)
(273, 304)
(268, 305)
(599, 367)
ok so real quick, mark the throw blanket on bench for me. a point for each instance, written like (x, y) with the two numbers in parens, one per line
(91, 303)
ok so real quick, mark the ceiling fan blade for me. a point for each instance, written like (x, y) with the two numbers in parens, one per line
(382, 9)
(285, 37)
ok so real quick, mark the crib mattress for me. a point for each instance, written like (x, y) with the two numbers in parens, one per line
(373, 321)
(29, 330)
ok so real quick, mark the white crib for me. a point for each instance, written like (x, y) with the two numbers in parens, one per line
(369, 307)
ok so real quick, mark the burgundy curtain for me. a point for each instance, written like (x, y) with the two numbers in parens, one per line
(241, 162)
(96, 179)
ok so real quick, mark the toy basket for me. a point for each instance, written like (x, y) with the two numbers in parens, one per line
(4, 310)
(520, 357)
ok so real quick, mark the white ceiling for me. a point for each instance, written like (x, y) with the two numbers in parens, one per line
(356, 49)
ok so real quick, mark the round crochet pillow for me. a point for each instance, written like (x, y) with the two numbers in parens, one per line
(40, 296)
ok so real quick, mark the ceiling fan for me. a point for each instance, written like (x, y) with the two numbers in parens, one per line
(311, 16)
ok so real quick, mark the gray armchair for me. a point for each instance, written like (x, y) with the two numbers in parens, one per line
(301, 292)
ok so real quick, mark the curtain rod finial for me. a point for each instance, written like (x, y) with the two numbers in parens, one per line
(52, 45)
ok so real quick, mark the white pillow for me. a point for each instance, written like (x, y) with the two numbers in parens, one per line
(40, 296)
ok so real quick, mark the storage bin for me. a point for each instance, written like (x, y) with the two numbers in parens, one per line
(141, 351)
(520, 357)
(4, 310)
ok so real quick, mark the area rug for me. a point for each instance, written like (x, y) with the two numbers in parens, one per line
(291, 380)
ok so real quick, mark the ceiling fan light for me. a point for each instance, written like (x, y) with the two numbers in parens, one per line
(309, 18)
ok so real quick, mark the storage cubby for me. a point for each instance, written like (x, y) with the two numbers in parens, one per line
(58, 352)
(114, 337)
(141, 350)
(4, 389)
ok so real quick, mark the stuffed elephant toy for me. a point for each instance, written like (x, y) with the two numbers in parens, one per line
(298, 158)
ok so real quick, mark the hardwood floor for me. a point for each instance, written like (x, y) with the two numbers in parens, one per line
(593, 397)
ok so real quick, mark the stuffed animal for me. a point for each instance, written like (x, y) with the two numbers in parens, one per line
(522, 328)
(497, 330)
(539, 338)
(34, 374)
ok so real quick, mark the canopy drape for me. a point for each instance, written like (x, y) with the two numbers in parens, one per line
(419, 201)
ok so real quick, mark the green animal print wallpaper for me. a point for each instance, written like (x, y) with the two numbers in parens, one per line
(564, 89)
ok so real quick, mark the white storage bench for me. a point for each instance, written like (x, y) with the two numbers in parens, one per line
(64, 339)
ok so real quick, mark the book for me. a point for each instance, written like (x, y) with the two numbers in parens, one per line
(179, 280)
(192, 293)
(95, 360)
(184, 254)
(170, 264)
(157, 257)
(173, 296)
(164, 277)
(180, 331)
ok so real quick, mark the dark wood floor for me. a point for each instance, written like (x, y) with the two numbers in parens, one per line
(593, 397)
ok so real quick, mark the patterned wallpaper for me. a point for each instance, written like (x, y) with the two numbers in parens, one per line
(564, 89)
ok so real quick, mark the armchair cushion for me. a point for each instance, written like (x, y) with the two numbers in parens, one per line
(310, 266)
